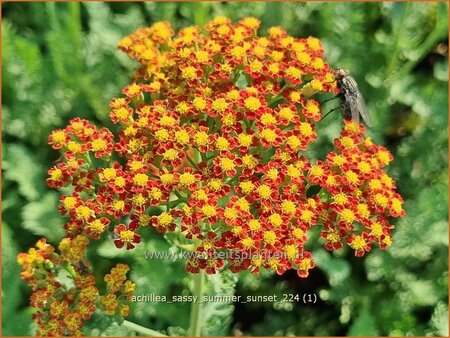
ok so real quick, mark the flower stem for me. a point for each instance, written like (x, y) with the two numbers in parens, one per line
(142, 330)
(196, 321)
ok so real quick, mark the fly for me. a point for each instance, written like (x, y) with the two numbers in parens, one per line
(82, 267)
(352, 102)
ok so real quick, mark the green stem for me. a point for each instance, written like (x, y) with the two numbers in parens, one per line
(278, 96)
(196, 320)
(398, 35)
(142, 330)
(191, 161)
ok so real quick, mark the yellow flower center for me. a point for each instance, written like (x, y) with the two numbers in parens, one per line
(381, 200)
(97, 226)
(294, 72)
(182, 137)
(229, 120)
(74, 147)
(139, 200)
(270, 237)
(317, 171)
(227, 164)
(182, 108)
(209, 210)
(119, 181)
(170, 155)
(305, 264)
(288, 207)
(199, 103)
(122, 113)
(387, 240)
(245, 140)
(293, 142)
(267, 118)
(339, 160)
(314, 43)
(220, 105)
(384, 157)
(140, 179)
(126, 236)
(293, 171)
(306, 215)
(286, 113)
(222, 144)
(347, 216)
(238, 52)
(189, 73)
(83, 213)
(248, 242)
(358, 243)
(249, 161)
(230, 213)
(56, 174)
(306, 129)
(291, 251)
(363, 210)
(243, 204)
(247, 187)
(215, 184)
(298, 233)
(187, 179)
(396, 205)
(156, 193)
(274, 68)
(254, 225)
(252, 103)
(351, 176)
(347, 142)
(69, 202)
(118, 205)
(201, 138)
(264, 191)
(375, 184)
(167, 178)
(275, 220)
(167, 121)
(165, 219)
(269, 135)
(202, 56)
(256, 66)
(377, 229)
(364, 167)
(277, 55)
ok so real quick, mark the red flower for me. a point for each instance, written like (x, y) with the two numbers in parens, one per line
(126, 236)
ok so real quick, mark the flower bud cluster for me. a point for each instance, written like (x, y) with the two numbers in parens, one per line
(64, 289)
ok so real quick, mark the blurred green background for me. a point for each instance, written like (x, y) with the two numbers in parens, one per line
(60, 61)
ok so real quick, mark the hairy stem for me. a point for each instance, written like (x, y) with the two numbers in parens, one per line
(142, 330)
(196, 320)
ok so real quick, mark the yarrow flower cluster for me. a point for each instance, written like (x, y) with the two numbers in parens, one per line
(64, 289)
(213, 130)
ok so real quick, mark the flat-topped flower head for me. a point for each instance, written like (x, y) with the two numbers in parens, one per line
(215, 128)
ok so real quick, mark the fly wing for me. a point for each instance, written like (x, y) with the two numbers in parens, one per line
(352, 106)
(356, 101)
(363, 110)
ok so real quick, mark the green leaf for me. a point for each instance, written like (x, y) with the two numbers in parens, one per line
(241, 82)
(439, 320)
(218, 315)
(22, 167)
(18, 322)
(364, 325)
(42, 217)
(336, 269)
